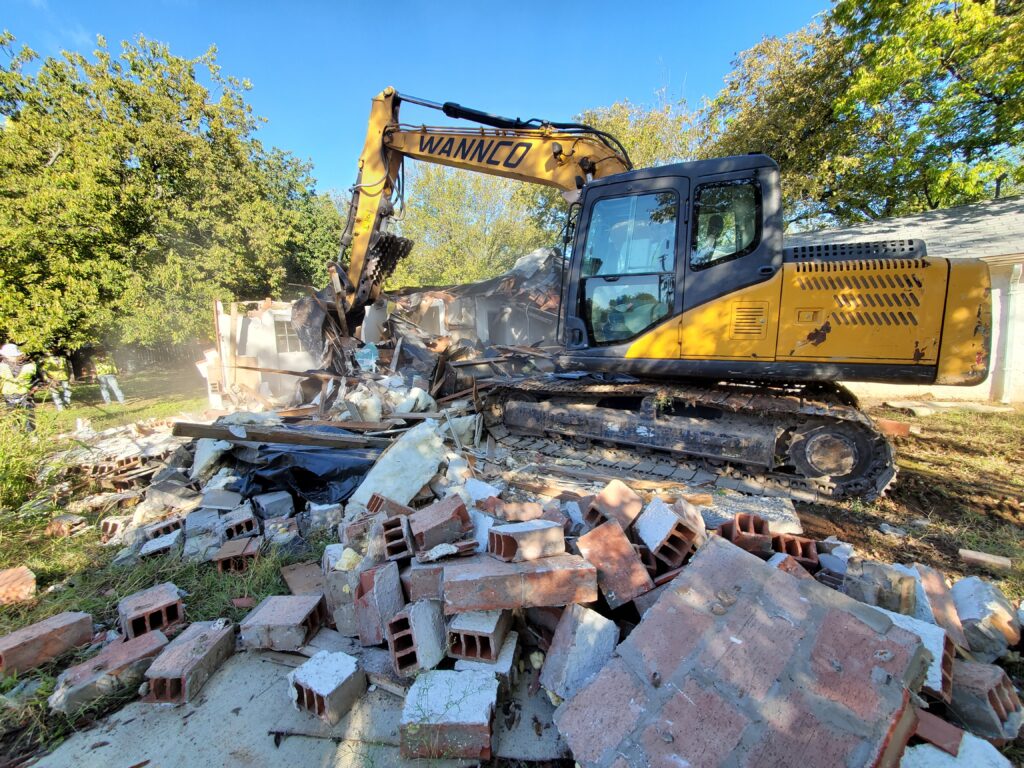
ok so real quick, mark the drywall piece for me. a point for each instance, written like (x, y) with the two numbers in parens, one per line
(405, 467)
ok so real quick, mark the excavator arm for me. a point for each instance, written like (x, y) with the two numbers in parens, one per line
(562, 155)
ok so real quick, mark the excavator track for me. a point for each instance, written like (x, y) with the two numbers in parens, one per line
(805, 441)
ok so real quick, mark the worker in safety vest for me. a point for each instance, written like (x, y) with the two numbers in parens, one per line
(16, 375)
(55, 371)
(106, 374)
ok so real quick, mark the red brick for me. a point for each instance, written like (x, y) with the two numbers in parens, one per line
(303, 578)
(118, 665)
(158, 607)
(185, 665)
(478, 635)
(673, 740)
(416, 637)
(283, 622)
(377, 598)
(801, 549)
(397, 538)
(891, 428)
(621, 575)
(236, 555)
(600, 716)
(616, 501)
(350, 532)
(943, 608)
(647, 559)
(517, 542)
(938, 732)
(670, 631)
(442, 522)
(17, 585)
(111, 526)
(448, 714)
(670, 532)
(240, 523)
(749, 532)
(44, 641)
(481, 583)
(422, 581)
(789, 564)
(985, 701)
(378, 503)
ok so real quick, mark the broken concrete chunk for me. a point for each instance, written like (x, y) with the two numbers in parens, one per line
(377, 598)
(184, 666)
(202, 521)
(202, 548)
(327, 685)
(208, 452)
(584, 641)
(221, 499)
(940, 602)
(880, 584)
(319, 517)
(989, 621)
(448, 714)
(973, 753)
(778, 512)
(939, 680)
(173, 495)
(405, 467)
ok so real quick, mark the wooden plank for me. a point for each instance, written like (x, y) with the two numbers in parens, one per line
(985, 560)
(305, 374)
(254, 434)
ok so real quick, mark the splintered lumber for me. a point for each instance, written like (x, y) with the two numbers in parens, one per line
(986, 560)
(253, 434)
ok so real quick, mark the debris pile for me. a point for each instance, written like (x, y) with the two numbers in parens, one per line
(514, 609)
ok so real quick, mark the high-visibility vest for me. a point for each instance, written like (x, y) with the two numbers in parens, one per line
(55, 368)
(16, 384)
(104, 366)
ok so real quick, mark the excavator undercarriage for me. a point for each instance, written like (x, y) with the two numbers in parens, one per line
(799, 439)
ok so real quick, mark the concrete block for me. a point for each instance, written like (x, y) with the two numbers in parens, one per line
(168, 544)
(220, 499)
(616, 501)
(482, 583)
(941, 603)
(398, 544)
(17, 585)
(119, 665)
(516, 542)
(377, 598)
(184, 666)
(422, 581)
(416, 637)
(202, 521)
(327, 685)
(801, 549)
(880, 584)
(236, 555)
(584, 641)
(503, 668)
(669, 538)
(478, 635)
(990, 623)
(985, 702)
(518, 511)
(38, 643)
(283, 622)
(748, 532)
(448, 714)
(274, 504)
(378, 503)
(443, 521)
(939, 680)
(621, 575)
(239, 523)
(158, 607)
(163, 527)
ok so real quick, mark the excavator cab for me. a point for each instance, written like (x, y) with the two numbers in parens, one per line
(651, 244)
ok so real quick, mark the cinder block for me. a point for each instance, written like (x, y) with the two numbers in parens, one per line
(748, 532)
(163, 527)
(38, 643)
(185, 665)
(398, 543)
(669, 537)
(584, 641)
(482, 583)
(353, 531)
(283, 622)
(443, 521)
(390, 508)
(327, 685)
(113, 526)
(530, 540)
(119, 665)
(416, 637)
(984, 701)
(158, 607)
(161, 545)
(621, 575)
(478, 635)
(236, 555)
(422, 581)
(801, 549)
(448, 714)
(378, 597)
(517, 511)
(221, 499)
(616, 501)
(17, 585)
(503, 668)
(239, 523)
(275, 504)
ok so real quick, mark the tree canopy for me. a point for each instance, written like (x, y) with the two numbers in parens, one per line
(135, 192)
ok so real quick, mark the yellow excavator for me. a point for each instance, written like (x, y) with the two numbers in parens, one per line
(678, 276)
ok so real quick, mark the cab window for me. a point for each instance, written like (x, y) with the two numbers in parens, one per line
(726, 222)
(628, 269)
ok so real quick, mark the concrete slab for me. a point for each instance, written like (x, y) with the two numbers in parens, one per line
(232, 723)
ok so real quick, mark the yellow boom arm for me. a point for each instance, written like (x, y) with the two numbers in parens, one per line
(562, 155)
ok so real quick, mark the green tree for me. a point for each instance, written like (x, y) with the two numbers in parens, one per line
(134, 193)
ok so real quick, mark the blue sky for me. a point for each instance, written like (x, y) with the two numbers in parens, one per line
(315, 65)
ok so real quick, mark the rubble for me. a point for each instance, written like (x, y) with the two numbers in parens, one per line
(157, 608)
(478, 635)
(448, 714)
(990, 623)
(985, 701)
(327, 685)
(188, 661)
(283, 623)
(416, 637)
(44, 641)
(583, 643)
